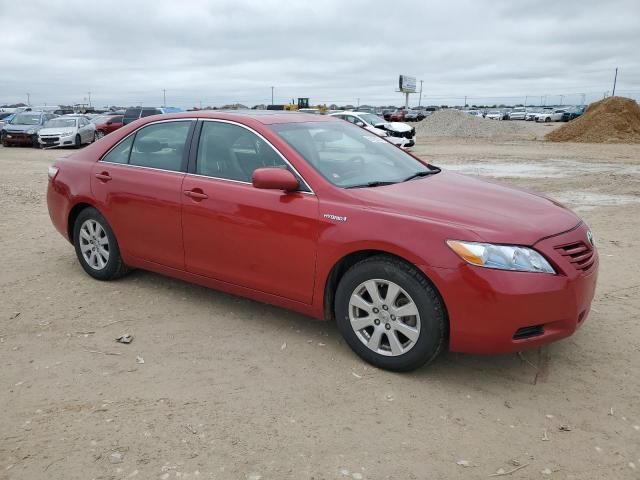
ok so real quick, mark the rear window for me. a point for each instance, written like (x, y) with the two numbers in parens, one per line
(147, 112)
(131, 114)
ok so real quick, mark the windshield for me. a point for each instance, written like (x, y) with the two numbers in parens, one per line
(61, 122)
(372, 119)
(26, 119)
(348, 156)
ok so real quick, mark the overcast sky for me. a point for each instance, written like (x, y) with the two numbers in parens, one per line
(218, 52)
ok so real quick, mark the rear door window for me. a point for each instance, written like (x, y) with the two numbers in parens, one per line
(160, 145)
(120, 154)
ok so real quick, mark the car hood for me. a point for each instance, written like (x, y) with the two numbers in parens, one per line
(56, 130)
(495, 213)
(20, 128)
(394, 126)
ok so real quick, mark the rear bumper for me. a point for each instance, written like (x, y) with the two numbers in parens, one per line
(58, 206)
(492, 311)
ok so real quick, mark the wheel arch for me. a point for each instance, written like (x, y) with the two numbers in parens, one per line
(349, 260)
(73, 214)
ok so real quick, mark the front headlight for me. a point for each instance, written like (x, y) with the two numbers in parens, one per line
(31, 131)
(67, 134)
(501, 257)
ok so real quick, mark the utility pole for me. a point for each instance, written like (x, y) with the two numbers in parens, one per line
(272, 95)
(525, 100)
(420, 99)
(582, 95)
(561, 97)
(465, 101)
(89, 94)
(615, 78)
(358, 104)
(28, 98)
(164, 97)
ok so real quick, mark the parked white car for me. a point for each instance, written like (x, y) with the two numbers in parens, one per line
(66, 132)
(398, 133)
(474, 113)
(494, 115)
(552, 115)
(518, 113)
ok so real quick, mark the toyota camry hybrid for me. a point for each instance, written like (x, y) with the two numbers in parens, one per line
(320, 216)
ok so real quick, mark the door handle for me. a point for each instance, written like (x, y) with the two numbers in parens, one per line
(196, 194)
(103, 177)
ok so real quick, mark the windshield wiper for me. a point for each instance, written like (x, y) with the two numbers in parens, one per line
(377, 183)
(423, 173)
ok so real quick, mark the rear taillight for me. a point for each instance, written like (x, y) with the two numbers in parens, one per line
(53, 171)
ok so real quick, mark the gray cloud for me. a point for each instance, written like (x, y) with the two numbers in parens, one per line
(332, 51)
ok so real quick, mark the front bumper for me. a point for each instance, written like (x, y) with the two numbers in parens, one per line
(20, 138)
(494, 311)
(47, 141)
(401, 142)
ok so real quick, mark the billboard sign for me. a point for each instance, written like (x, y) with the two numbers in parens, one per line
(407, 84)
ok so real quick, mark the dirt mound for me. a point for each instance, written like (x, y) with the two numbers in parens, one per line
(454, 123)
(612, 120)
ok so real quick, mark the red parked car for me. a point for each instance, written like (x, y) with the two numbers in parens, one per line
(106, 124)
(398, 116)
(314, 214)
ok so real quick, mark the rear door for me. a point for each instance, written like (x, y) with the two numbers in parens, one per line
(138, 187)
(260, 239)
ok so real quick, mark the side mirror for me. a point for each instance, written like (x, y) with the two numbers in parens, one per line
(109, 122)
(274, 179)
(360, 124)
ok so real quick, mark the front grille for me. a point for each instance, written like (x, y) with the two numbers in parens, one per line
(50, 139)
(579, 254)
(528, 332)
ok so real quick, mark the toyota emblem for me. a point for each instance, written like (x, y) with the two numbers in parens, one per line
(590, 238)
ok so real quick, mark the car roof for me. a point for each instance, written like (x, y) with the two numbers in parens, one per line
(266, 117)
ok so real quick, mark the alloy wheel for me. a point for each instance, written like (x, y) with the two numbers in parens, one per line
(94, 244)
(384, 317)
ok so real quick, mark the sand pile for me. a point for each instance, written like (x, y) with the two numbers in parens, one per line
(454, 123)
(612, 120)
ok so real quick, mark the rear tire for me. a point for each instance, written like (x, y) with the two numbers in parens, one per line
(547, 120)
(96, 246)
(404, 327)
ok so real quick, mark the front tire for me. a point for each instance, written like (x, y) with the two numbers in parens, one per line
(389, 314)
(78, 141)
(96, 246)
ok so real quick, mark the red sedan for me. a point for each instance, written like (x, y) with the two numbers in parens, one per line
(314, 214)
(398, 116)
(106, 124)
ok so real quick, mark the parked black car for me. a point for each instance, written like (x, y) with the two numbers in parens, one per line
(134, 113)
(571, 114)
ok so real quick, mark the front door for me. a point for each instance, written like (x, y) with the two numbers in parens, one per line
(138, 187)
(260, 239)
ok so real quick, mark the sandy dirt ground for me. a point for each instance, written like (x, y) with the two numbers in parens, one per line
(233, 389)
